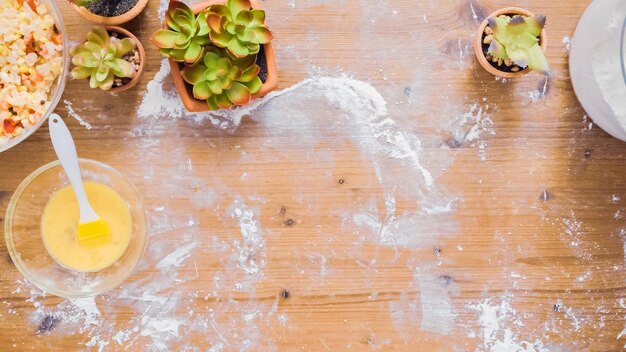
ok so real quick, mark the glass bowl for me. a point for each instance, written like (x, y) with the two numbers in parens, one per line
(57, 90)
(22, 231)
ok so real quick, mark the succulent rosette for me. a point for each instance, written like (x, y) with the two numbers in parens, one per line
(100, 59)
(186, 36)
(222, 81)
(237, 28)
(517, 38)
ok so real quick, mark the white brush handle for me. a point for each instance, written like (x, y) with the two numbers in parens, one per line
(66, 152)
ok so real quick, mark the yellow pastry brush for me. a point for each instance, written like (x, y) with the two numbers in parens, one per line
(92, 230)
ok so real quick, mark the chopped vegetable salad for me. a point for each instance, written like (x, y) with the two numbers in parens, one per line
(31, 60)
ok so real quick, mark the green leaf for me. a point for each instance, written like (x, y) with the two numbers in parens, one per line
(193, 53)
(518, 56)
(497, 50)
(121, 68)
(221, 39)
(498, 26)
(246, 36)
(98, 35)
(177, 54)
(81, 72)
(164, 38)
(222, 66)
(107, 83)
(188, 29)
(203, 26)
(102, 72)
(262, 34)
(181, 16)
(250, 73)
(238, 94)
(201, 90)
(525, 41)
(193, 74)
(253, 48)
(125, 46)
(215, 87)
(237, 49)
(210, 74)
(92, 47)
(204, 41)
(210, 59)
(172, 24)
(223, 102)
(230, 28)
(535, 24)
(221, 10)
(85, 59)
(93, 82)
(212, 102)
(258, 17)
(180, 7)
(537, 60)
(81, 49)
(245, 62)
(236, 6)
(214, 22)
(254, 85)
(243, 18)
(226, 82)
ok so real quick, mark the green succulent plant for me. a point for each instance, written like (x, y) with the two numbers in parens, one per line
(101, 59)
(186, 36)
(517, 38)
(222, 81)
(237, 28)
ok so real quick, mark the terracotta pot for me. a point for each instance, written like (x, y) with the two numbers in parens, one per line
(115, 20)
(184, 90)
(480, 33)
(142, 58)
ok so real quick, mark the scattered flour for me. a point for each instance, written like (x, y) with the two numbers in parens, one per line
(567, 41)
(496, 322)
(70, 110)
(159, 101)
(177, 257)
(473, 124)
(251, 256)
(438, 314)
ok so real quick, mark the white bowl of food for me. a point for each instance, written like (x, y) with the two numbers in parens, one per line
(33, 66)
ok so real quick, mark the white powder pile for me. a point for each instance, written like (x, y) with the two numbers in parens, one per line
(496, 323)
(159, 99)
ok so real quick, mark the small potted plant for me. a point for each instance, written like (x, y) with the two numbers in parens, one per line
(112, 59)
(109, 12)
(220, 53)
(511, 42)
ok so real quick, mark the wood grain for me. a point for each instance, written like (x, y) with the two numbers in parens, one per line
(543, 169)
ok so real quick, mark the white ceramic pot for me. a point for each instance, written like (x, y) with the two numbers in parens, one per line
(597, 66)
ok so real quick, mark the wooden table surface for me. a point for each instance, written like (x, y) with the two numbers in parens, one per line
(302, 229)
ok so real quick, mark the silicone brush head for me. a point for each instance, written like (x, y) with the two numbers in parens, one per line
(94, 234)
